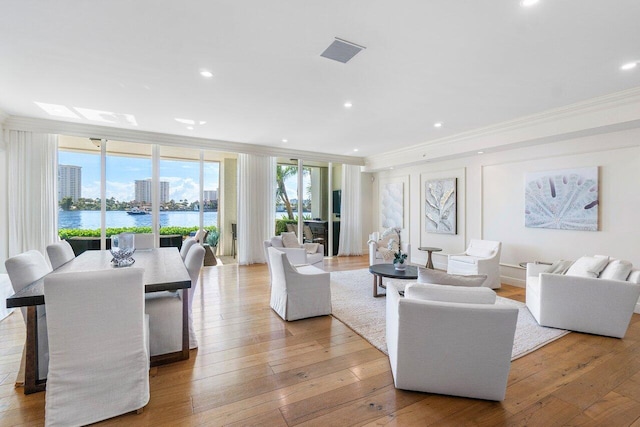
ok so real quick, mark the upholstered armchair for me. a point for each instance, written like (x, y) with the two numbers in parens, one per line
(296, 253)
(449, 340)
(379, 252)
(98, 336)
(298, 292)
(595, 305)
(481, 257)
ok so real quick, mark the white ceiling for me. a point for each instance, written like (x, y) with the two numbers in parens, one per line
(467, 63)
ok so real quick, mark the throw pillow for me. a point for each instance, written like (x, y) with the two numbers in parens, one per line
(588, 266)
(617, 269)
(311, 248)
(634, 276)
(289, 240)
(446, 293)
(427, 275)
(276, 242)
(559, 267)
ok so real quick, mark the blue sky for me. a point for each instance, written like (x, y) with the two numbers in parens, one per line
(122, 172)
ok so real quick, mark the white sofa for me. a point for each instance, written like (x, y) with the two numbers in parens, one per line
(594, 305)
(481, 257)
(296, 256)
(450, 340)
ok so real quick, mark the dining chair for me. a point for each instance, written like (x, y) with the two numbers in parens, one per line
(24, 269)
(186, 245)
(143, 241)
(60, 253)
(98, 336)
(165, 310)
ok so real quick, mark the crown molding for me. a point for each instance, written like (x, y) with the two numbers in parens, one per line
(3, 116)
(133, 135)
(612, 112)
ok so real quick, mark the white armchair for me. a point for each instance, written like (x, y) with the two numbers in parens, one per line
(298, 293)
(585, 304)
(449, 340)
(481, 257)
(98, 335)
(385, 256)
(297, 255)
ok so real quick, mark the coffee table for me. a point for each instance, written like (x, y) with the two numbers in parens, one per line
(388, 270)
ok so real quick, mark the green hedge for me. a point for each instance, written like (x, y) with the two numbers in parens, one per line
(183, 231)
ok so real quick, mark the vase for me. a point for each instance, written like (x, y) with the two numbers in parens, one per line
(400, 267)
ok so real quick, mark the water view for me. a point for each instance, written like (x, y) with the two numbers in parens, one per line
(89, 220)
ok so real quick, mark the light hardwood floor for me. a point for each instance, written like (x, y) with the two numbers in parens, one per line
(254, 369)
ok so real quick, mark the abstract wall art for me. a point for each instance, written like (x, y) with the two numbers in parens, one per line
(564, 199)
(440, 206)
(392, 209)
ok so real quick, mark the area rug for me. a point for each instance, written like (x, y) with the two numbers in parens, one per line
(353, 304)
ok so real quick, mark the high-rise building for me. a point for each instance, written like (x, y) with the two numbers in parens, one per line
(210, 195)
(143, 191)
(69, 182)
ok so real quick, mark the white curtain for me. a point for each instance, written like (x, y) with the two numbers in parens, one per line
(350, 217)
(256, 206)
(32, 190)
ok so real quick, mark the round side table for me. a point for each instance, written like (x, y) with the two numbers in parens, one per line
(429, 251)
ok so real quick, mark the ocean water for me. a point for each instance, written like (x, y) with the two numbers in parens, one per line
(91, 219)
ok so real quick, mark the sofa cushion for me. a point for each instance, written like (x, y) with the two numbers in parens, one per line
(617, 269)
(464, 258)
(276, 242)
(588, 266)
(634, 276)
(427, 275)
(559, 267)
(445, 293)
(289, 240)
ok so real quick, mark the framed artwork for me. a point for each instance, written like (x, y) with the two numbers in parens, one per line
(565, 199)
(392, 209)
(440, 206)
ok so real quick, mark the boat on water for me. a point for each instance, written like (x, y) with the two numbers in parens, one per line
(137, 211)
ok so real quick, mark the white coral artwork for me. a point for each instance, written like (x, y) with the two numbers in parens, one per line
(440, 206)
(392, 209)
(564, 199)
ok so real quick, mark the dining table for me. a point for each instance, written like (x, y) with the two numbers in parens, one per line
(164, 270)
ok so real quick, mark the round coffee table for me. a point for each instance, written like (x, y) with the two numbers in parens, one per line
(429, 251)
(388, 270)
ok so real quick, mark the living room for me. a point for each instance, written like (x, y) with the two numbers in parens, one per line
(486, 110)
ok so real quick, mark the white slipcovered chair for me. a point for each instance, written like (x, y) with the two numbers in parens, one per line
(24, 269)
(298, 292)
(385, 255)
(98, 336)
(481, 257)
(449, 340)
(165, 311)
(143, 241)
(60, 253)
(297, 254)
(186, 245)
(595, 305)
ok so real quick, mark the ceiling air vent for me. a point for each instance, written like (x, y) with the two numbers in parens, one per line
(341, 50)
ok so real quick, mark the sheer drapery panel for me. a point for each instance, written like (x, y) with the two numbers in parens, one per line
(351, 217)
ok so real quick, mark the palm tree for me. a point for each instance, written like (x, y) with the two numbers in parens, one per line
(282, 173)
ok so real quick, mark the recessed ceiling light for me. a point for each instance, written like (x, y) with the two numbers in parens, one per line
(207, 74)
(437, 125)
(355, 149)
(285, 140)
(348, 104)
(202, 122)
(480, 152)
(190, 127)
(629, 65)
(527, 3)
(185, 121)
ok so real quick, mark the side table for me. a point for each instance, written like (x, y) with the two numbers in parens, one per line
(429, 251)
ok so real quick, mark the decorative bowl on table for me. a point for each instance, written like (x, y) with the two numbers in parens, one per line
(122, 249)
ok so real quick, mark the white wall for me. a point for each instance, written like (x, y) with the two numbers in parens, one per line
(491, 202)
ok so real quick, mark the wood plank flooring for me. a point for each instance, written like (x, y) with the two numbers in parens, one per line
(253, 369)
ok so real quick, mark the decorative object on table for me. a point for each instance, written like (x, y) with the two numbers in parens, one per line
(440, 206)
(399, 258)
(382, 248)
(564, 199)
(212, 240)
(392, 209)
(122, 249)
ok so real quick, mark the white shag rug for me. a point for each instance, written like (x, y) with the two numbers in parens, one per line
(353, 304)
